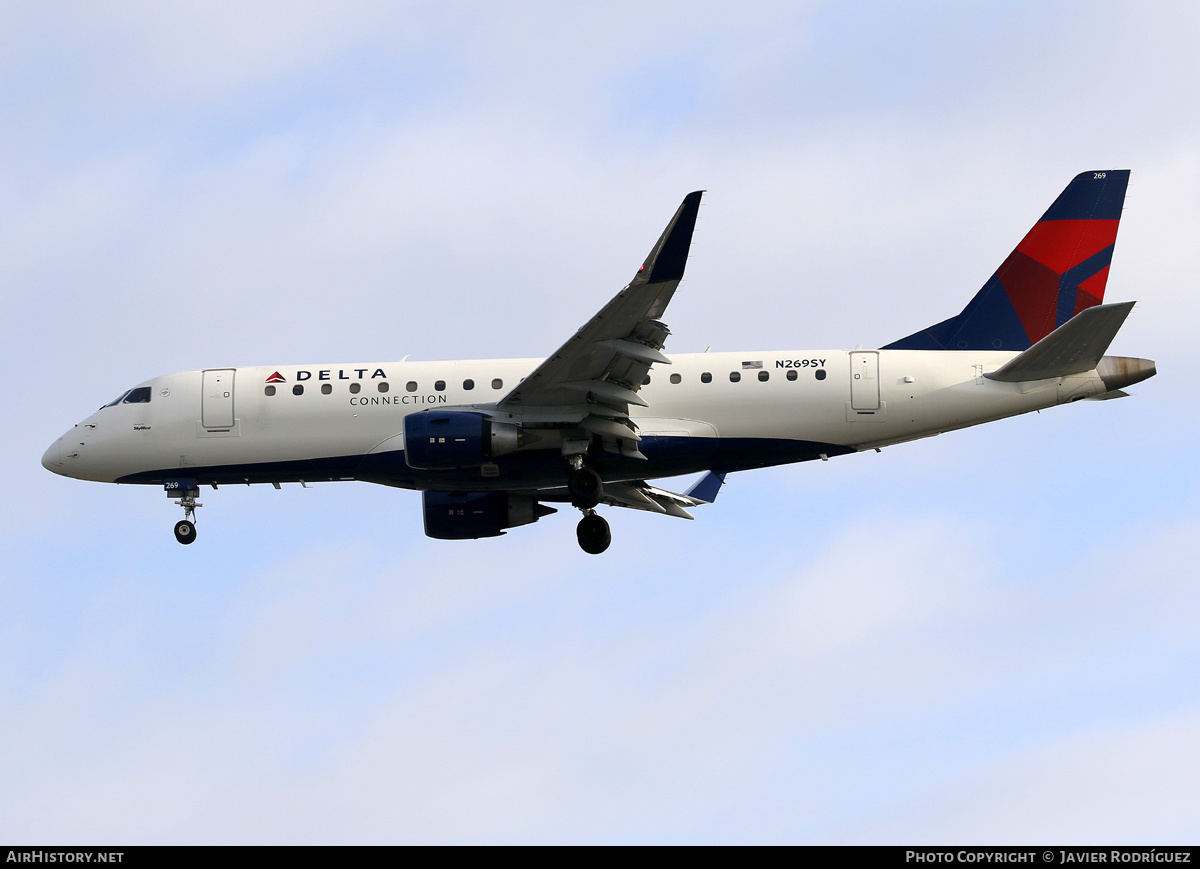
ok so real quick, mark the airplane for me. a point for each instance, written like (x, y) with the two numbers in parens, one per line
(492, 443)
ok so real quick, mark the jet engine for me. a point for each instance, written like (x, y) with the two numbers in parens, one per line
(442, 439)
(469, 515)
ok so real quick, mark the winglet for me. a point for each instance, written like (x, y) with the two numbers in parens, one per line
(707, 487)
(1076, 346)
(669, 256)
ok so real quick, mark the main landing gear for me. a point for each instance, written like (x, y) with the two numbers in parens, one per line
(592, 533)
(586, 489)
(187, 491)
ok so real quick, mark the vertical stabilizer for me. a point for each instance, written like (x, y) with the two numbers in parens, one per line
(1059, 269)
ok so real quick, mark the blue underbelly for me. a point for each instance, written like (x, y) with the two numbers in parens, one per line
(666, 456)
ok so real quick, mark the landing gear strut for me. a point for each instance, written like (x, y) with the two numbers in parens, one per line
(592, 533)
(186, 490)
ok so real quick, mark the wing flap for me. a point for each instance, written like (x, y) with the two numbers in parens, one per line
(609, 427)
(634, 350)
(601, 390)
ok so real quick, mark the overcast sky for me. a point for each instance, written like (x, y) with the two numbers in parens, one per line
(988, 636)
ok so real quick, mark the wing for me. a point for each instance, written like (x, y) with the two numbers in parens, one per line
(592, 379)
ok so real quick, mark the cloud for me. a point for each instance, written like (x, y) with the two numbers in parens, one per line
(1129, 783)
(335, 700)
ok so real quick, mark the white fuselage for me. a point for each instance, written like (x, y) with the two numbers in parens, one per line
(839, 401)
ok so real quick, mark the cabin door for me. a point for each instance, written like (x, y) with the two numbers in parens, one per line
(217, 402)
(864, 380)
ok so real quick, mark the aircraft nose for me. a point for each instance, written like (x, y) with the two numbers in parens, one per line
(52, 458)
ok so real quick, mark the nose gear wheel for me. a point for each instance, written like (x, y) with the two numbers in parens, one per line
(185, 531)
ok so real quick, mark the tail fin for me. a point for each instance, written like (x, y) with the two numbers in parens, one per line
(1059, 269)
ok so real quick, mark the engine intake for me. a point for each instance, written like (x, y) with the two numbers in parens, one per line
(443, 439)
(470, 515)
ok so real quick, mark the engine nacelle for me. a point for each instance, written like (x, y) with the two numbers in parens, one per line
(469, 515)
(443, 439)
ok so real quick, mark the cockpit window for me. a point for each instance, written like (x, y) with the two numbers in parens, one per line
(117, 400)
(141, 395)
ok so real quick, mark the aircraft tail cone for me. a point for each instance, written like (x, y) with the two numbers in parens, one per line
(1117, 372)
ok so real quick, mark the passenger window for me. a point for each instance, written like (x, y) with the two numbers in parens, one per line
(298, 389)
(383, 386)
(706, 377)
(141, 395)
(675, 378)
(820, 374)
(646, 381)
(468, 385)
(792, 375)
(270, 390)
(355, 388)
(439, 386)
(497, 383)
(411, 386)
(735, 376)
(764, 376)
(326, 388)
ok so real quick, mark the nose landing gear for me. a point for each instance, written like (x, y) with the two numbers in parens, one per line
(186, 490)
(185, 531)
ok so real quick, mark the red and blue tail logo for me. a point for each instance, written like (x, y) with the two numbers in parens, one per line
(1059, 269)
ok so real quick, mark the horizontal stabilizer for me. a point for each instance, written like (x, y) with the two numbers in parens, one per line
(1073, 348)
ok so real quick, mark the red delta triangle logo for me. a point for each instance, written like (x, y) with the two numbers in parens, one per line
(276, 378)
